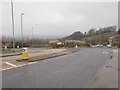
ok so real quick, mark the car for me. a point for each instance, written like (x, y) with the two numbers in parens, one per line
(109, 46)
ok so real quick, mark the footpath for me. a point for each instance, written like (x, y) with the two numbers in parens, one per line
(107, 77)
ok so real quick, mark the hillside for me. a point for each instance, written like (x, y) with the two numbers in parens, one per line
(75, 36)
(99, 38)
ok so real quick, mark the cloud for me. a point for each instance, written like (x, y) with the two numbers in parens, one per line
(63, 18)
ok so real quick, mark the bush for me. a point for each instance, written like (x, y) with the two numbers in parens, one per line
(18, 44)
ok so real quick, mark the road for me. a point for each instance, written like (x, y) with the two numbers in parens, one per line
(75, 70)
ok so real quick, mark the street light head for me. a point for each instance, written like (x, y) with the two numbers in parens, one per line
(22, 13)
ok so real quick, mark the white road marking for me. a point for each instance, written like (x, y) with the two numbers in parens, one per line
(7, 68)
(21, 65)
(14, 66)
(32, 63)
(10, 64)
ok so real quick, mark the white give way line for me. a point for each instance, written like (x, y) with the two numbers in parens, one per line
(10, 64)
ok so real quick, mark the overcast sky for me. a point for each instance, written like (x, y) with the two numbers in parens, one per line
(58, 19)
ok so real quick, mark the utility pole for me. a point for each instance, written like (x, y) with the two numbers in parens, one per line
(32, 36)
(22, 29)
(12, 24)
(94, 38)
(100, 36)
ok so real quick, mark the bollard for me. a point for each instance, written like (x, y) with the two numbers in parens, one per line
(25, 53)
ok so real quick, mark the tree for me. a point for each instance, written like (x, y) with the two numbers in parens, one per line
(91, 31)
(54, 43)
(18, 44)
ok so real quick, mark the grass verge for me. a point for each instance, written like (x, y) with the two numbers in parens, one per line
(33, 59)
(9, 51)
(38, 58)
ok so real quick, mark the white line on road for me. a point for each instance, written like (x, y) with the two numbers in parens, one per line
(32, 62)
(7, 68)
(10, 64)
(14, 66)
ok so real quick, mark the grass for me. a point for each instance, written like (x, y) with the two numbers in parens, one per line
(43, 57)
(36, 58)
(33, 59)
(9, 51)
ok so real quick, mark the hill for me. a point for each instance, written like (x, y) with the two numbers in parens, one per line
(99, 38)
(75, 36)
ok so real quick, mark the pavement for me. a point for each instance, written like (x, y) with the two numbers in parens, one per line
(76, 70)
(107, 76)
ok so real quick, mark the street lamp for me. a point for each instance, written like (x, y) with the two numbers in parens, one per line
(22, 14)
(12, 24)
(94, 38)
(32, 36)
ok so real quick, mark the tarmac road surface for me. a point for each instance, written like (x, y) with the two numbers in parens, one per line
(69, 71)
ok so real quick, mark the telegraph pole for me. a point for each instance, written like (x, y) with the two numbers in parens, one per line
(12, 24)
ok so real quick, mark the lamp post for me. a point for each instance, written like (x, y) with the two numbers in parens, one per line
(32, 36)
(94, 39)
(22, 14)
(12, 24)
